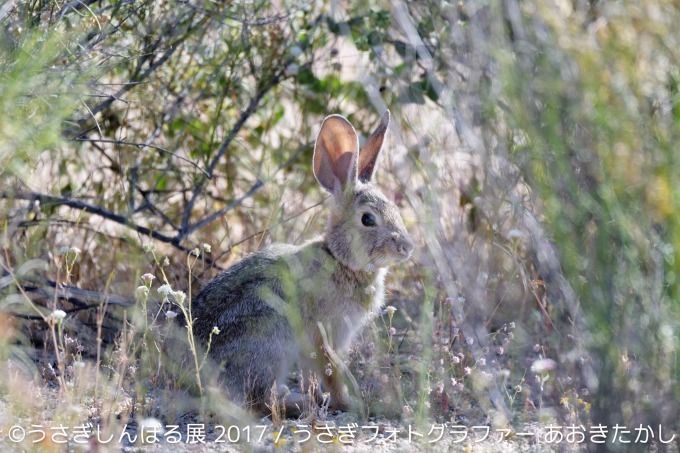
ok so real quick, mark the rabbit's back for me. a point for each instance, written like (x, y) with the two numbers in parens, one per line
(230, 297)
(246, 304)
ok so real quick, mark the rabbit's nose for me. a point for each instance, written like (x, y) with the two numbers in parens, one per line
(403, 243)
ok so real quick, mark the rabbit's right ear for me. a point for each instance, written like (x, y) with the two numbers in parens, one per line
(335, 154)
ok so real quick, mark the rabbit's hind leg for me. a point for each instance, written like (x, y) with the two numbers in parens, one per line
(254, 365)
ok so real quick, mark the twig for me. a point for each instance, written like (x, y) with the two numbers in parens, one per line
(258, 184)
(92, 209)
(252, 106)
(101, 135)
(265, 230)
(141, 146)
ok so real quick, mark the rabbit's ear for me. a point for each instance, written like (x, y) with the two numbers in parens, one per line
(335, 154)
(368, 157)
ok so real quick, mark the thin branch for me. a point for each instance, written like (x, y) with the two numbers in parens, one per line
(140, 77)
(222, 211)
(101, 134)
(258, 184)
(250, 109)
(92, 209)
(263, 231)
(141, 146)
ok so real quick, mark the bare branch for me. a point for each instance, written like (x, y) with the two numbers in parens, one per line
(141, 146)
(252, 106)
(92, 209)
(258, 184)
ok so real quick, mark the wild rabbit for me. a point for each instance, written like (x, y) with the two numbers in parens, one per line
(304, 304)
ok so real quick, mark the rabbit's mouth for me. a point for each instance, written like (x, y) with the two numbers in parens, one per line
(394, 250)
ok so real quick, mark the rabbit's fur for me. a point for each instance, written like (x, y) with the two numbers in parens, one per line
(304, 304)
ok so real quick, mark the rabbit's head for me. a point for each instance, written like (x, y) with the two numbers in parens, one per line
(365, 231)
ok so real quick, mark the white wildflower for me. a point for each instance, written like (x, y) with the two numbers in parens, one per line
(179, 296)
(150, 247)
(196, 252)
(166, 262)
(165, 290)
(215, 331)
(63, 250)
(207, 248)
(57, 315)
(515, 234)
(390, 310)
(170, 314)
(147, 278)
(542, 365)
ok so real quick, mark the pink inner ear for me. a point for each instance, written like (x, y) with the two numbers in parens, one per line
(335, 154)
(342, 166)
(368, 157)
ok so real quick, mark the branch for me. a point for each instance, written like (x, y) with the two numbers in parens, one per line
(265, 230)
(139, 78)
(92, 209)
(258, 184)
(83, 299)
(140, 146)
(252, 106)
(221, 212)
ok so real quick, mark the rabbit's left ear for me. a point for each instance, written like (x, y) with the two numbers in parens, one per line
(335, 154)
(368, 157)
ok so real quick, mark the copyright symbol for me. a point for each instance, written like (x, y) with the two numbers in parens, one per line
(16, 433)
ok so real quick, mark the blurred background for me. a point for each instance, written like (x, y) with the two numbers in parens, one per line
(533, 152)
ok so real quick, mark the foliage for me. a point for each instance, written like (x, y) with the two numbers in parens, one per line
(533, 157)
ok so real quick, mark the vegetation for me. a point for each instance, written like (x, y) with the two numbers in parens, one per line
(145, 146)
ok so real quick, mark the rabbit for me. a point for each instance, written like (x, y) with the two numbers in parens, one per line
(304, 304)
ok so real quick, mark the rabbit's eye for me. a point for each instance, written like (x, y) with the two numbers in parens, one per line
(368, 219)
